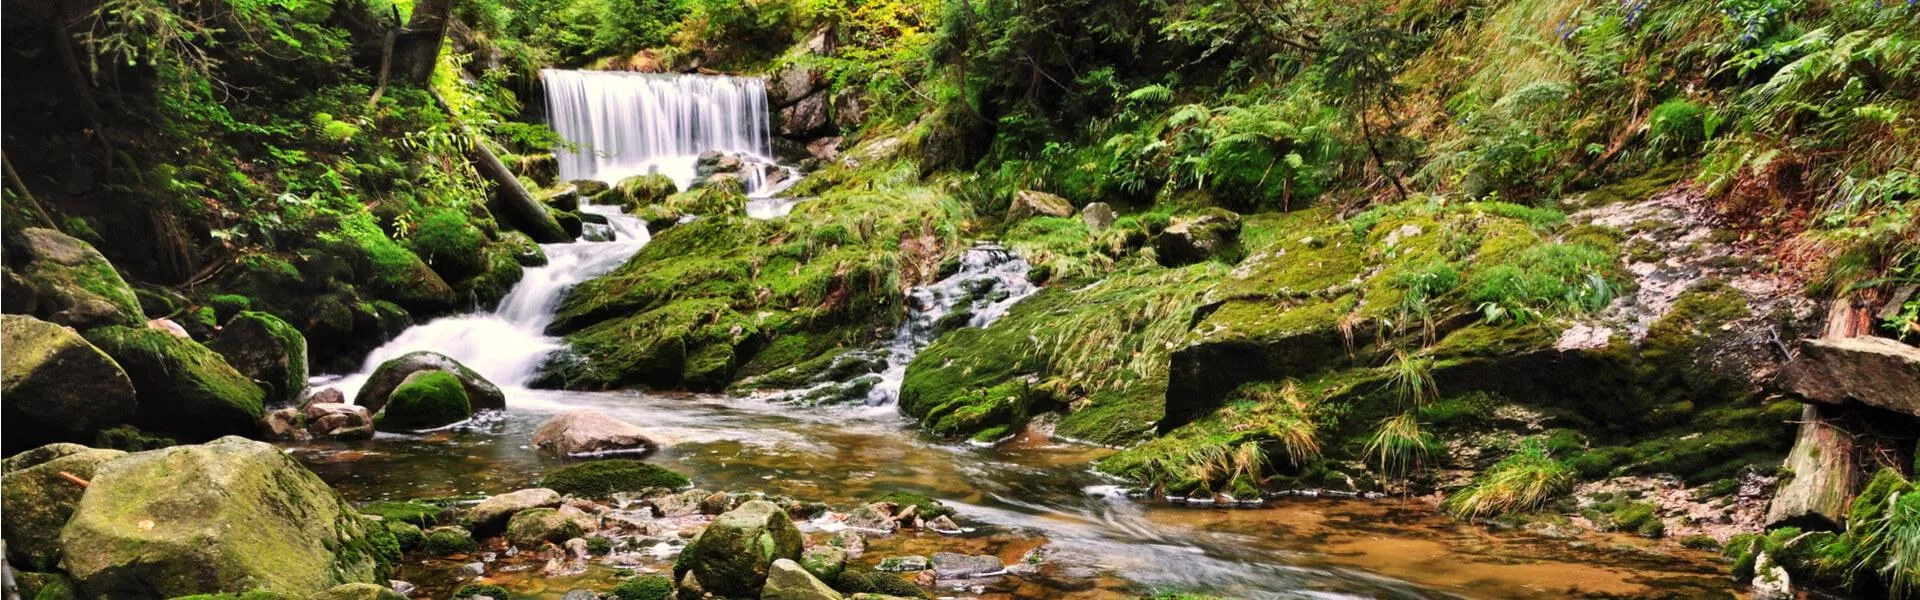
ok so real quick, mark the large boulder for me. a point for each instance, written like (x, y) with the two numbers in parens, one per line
(72, 283)
(39, 500)
(1195, 239)
(731, 557)
(532, 527)
(792, 82)
(809, 117)
(184, 388)
(1875, 371)
(644, 190)
(230, 516)
(481, 394)
(787, 580)
(1029, 203)
(490, 516)
(425, 400)
(267, 349)
(589, 432)
(55, 386)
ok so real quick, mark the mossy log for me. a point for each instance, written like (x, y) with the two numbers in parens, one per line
(512, 201)
(1822, 463)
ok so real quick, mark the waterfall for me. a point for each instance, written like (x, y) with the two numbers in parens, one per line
(623, 124)
(508, 344)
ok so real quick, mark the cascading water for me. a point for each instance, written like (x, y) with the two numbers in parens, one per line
(624, 124)
(989, 281)
(508, 344)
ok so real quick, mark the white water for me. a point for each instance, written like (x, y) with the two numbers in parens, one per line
(626, 124)
(508, 344)
(990, 281)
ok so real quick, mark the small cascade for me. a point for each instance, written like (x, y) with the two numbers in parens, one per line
(989, 281)
(508, 344)
(625, 124)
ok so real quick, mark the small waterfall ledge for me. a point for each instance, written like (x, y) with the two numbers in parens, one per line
(624, 124)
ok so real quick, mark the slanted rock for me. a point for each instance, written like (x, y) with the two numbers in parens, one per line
(1098, 216)
(54, 386)
(233, 515)
(586, 432)
(72, 283)
(267, 349)
(1875, 371)
(732, 556)
(481, 394)
(1029, 203)
(39, 500)
(1196, 239)
(425, 400)
(490, 516)
(183, 387)
(787, 580)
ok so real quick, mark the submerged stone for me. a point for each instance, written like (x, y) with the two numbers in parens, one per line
(948, 565)
(604, 478)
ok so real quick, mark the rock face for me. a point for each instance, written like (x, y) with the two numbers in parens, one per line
(267, 349)
(1874, 371)
(786, 580)
(586, 432)
(1098, 216)
(1189, 241)
(732, 556)
(56, 385)
(491, 514)
(39, 501)
(425, 400)
(72, 283)
(481, 394)
(1816, 497)
(183, 387)
(1028, 204)
(232, 515)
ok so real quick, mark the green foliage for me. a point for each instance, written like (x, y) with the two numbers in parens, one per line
(1399, 445)
(644, 587)
(1524, 480)
(1571, 277)
(474, 590)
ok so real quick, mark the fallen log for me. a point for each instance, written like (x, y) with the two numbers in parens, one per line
(511, 201)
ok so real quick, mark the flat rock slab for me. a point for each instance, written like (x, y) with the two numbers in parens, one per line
(948, 565)
(587, 433)
(1875, 371)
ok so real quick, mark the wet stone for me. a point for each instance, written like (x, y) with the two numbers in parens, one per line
(903, 564)
(948, 565)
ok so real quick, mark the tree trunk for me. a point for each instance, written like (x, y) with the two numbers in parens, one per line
(417, 49)
(512, 201)
(1823, 475)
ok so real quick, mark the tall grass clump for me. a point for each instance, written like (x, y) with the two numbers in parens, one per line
(1887, 544)
(1522, 481)
(1399, 445)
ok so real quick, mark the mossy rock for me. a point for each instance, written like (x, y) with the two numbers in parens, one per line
(225, 306)
(184, 388)
(529, 528)
(39, 500)
(522, 249)
(732, 555)
(407, 535)
(481, 394)
(643, 190)
(501, 270)
(723, 197)
(418, 513)
(602, 478)
(644, 587)
(448, 541)
(229, 515)
(450, 244)
(862, 580)
(131, 439)
(268, 350)
(424, 400)
(55, 386)
(72, 283)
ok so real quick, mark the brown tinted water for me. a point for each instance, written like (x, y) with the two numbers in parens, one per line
(1036, 504)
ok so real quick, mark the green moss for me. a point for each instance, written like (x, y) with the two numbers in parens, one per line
(531, 527)
(425, 400)
(644, 587)
(602, 478)
(599, 545)
(448, 541)
(472, 590)
(1871, 503)
(861, 580)
(407, 535)
(644, 190)
(130, 439)
(418, 513)
(185, 388)
(225, 306)
(385, 545)
(449, 244)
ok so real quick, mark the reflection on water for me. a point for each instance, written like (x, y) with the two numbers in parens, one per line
(1030, 495)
